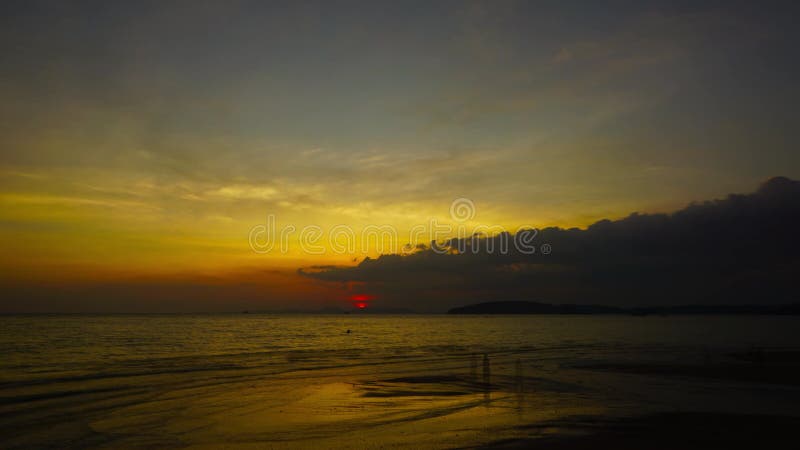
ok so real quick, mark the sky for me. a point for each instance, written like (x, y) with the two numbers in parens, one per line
(142, 142)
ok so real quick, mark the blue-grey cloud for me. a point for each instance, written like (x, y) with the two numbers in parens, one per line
(741, 249)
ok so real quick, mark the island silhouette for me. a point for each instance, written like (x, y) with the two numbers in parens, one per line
(529, 307)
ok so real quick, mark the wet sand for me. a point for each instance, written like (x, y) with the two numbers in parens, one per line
(664, 431)
(464, 401)
(748, 373)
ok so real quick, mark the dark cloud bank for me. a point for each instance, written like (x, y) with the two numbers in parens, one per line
(739, 250)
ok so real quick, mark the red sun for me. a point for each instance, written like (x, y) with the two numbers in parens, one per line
(361, 301)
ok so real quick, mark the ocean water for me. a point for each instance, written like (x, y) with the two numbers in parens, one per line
(253, 380)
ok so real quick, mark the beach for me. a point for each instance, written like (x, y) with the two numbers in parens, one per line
(270, 381)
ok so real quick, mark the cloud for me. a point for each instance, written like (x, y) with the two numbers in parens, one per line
(70, 289)
(246, 192)
(741, 249)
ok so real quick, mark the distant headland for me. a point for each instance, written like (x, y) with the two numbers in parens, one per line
(528, 307)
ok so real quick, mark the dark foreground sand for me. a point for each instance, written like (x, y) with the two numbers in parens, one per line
(664, 431)
(502, 400)
(753, 371)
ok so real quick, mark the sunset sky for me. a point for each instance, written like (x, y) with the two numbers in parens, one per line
(140, 142)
